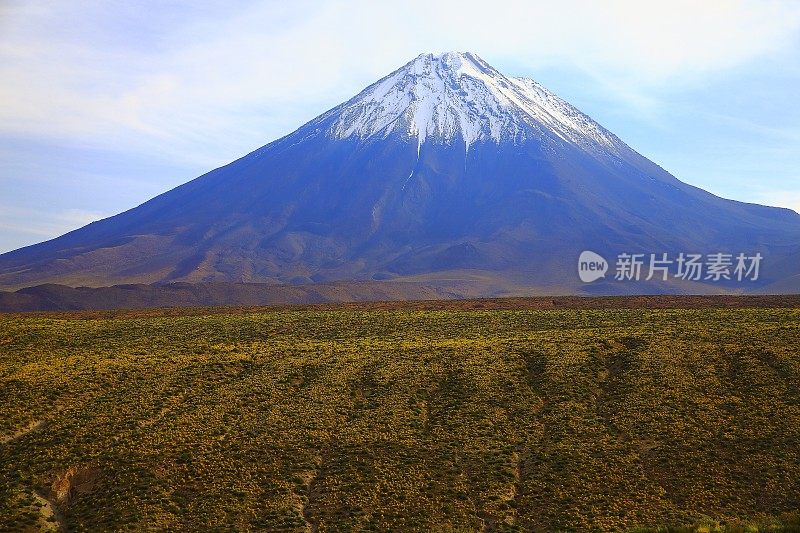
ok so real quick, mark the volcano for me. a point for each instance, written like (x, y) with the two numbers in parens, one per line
(445, 169)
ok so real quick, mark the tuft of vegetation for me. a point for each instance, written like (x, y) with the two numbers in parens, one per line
(413, 420)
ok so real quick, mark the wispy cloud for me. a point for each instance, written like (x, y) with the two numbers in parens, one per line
(20, 226)
(779, 198)
(201, 83)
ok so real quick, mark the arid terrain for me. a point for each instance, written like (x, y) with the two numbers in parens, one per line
(607, 414)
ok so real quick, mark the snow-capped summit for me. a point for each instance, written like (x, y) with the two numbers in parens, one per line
(458, 96)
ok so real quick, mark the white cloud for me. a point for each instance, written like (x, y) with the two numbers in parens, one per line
(45, 223)
(202, 83)
(779, 198)
(80, 217)
(23, 226)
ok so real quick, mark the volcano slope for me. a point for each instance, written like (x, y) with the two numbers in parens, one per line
(445, 169)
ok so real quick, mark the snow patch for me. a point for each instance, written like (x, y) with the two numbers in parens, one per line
(456, 96)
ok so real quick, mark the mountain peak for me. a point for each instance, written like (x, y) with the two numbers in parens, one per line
(448, 59)
(457, 96)
(445, 169)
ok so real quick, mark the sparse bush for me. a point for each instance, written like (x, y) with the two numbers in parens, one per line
(676, 420)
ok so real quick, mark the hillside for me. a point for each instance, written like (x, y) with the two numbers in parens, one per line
(401, 419)
(61, 297)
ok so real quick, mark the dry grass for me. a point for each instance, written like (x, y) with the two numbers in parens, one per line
(398, 419)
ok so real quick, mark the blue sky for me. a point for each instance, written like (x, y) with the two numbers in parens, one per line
(106, 104)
